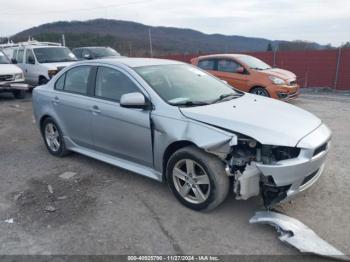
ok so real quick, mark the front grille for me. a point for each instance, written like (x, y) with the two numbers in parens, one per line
(309, 177)
(320, 149)
(6, 77)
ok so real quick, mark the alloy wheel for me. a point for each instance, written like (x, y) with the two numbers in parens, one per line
(52, 137)
(191, 181)
(260, 92)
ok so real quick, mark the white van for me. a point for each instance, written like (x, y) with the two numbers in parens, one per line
(11, 78)
(40, 61)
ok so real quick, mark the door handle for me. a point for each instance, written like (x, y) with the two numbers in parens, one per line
(95, 109)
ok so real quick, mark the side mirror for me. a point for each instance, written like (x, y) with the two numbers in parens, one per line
(133, 100)
(87, 57)
(31, 60)
(239, 70)
(13, 61)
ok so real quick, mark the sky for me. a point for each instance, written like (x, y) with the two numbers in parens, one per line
(322, 21)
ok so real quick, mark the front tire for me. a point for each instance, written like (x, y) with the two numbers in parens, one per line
(260, 91)
(53, 138)
(197, 178)
(19, 94)
(42, 81)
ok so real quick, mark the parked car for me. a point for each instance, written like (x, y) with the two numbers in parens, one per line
(250, 74)
(40, 60)
(11, 78)
(173, 122)
(95, 52)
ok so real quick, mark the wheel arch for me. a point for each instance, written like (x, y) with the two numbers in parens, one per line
(42, 119)
(257, 86)
(171, 149)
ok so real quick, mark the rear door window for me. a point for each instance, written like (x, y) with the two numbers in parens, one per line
(207, 64)
(77, 80)
(59, 85)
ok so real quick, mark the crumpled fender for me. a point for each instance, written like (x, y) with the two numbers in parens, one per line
(169, 130)
(295, 233)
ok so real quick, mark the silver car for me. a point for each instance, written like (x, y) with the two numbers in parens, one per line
(173, 122)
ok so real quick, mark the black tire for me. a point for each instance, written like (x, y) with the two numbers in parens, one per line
(19, 94)
(61, 150)
(42, 80)
(260, 91)
(215, 170)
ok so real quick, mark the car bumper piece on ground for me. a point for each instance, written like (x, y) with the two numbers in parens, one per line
(295, 233)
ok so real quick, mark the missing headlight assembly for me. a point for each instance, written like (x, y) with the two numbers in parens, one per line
(244, 163)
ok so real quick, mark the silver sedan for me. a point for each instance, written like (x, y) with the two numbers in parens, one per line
(176, 123)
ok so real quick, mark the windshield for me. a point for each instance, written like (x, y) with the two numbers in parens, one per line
(3, 58)
(54, 54)
(104, 52)
(185, 85)
(254, 63)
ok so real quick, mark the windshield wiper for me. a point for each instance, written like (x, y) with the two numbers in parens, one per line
(191, 103)
(225, 96)
(258, 68)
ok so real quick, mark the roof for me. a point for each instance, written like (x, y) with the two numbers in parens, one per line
(88, 47)
(137, 62)
(223, 55)
(45, 46)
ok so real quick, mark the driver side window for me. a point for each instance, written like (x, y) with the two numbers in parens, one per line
(111, 84)
(29, 57)
(227, 65)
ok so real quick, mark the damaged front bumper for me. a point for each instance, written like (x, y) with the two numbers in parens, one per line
(284, 179)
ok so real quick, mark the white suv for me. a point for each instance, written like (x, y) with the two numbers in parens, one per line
(40, 61)
(11, 78)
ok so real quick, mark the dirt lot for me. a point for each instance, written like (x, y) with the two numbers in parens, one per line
(107, 210)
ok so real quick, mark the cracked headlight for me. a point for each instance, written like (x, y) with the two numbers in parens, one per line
(277, 81)
(19, 76)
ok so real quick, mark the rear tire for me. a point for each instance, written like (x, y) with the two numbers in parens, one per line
(260, 91)
(197, 179)
(19, 94)
(53, 138)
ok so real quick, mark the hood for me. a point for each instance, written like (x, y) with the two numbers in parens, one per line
(269, 121)
(9, 69)
(59, 65)
(280, 73)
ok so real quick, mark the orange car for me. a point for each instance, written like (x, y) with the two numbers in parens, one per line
(250, 74)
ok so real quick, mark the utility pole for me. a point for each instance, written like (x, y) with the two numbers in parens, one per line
(63, 40)
(150, 41)
(274, 55)
(337, 69)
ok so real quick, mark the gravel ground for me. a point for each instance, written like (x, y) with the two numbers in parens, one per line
(103, 209)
